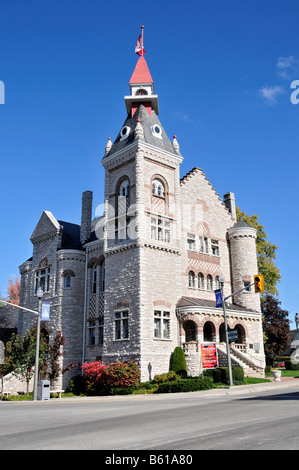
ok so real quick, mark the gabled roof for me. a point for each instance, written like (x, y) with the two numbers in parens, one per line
(141, 73)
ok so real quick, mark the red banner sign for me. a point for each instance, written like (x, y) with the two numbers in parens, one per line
(209, 356)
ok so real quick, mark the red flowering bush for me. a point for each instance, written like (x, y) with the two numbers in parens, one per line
(92, 373)
(120, 375)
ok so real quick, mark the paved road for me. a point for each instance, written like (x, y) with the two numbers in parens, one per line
(240, 418)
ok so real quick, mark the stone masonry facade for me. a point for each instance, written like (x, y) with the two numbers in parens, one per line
(140, 280)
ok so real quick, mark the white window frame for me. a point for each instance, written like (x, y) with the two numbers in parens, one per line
(42, 279)
(160, 229)
(161, 324)
(121, 325)
(215, 248)
(191, 279)
(191, 242)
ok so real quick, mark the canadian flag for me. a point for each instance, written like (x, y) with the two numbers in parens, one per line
(139, 49)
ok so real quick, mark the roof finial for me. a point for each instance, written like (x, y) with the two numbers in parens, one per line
(108, 146)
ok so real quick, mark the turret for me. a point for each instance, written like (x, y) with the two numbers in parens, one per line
(244, 264)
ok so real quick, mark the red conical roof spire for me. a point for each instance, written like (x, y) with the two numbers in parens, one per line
(141, 73)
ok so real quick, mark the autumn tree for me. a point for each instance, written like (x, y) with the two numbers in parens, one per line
(266, 253)
(276, 327)
(13, 291)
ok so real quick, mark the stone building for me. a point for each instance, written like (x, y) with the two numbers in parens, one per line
(140, 280)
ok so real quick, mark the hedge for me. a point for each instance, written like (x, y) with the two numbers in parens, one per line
(220, 375)
(185, 385)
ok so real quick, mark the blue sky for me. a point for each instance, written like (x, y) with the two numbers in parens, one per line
(222, 70)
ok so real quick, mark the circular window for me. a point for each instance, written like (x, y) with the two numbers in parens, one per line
(124, 132)
(157, 131)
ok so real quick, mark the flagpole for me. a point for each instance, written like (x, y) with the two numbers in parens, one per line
(142, 40)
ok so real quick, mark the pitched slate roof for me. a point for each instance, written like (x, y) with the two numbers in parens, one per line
(147, 122)
(194, 302)
(70, 236)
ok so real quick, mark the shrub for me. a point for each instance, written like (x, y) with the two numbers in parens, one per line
(185, 385)
(120, 375)
(237, 373)
(166, 377)
(178, 362)
(289, 365)
(92, 374)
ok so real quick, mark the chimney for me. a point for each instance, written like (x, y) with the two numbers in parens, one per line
(86, 216)
(229, 201)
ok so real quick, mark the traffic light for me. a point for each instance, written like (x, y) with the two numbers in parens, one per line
(259, 283)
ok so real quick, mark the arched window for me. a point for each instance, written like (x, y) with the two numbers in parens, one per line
(217, 282)
(94, 280)
(141, 91)
(124, 188)
(191, 279)
(158, 188)
(209, 282)
(201, 281)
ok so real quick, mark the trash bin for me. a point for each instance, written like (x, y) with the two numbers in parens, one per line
(43, 390)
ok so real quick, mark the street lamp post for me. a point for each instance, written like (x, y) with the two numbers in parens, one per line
(39, 295)
(230, 375)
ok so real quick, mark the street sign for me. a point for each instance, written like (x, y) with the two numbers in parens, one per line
(209, 357)
(232, 335)
(45, 314)
(218, 295)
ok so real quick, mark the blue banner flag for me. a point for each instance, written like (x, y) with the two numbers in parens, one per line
(218, 295)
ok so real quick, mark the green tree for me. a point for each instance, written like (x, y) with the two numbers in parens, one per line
(266, 253)
(21, 354)
(276, 327)
(178, 362)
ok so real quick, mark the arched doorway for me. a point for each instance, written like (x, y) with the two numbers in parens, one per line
(190, 331)
(209, 332)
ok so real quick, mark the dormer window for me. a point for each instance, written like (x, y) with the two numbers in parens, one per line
(157, 131)
(125, 131)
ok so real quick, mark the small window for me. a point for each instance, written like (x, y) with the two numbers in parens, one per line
(157, 131)
(101, 330)
(67, 283)
(215, 247)
(158, 188)
(247, 286)
(203, 245)
(191, 242)
(209, 282)
(141, 91)
(124, 132)
(94, 280)
(217, 282)
(92, 333)
(201, 284)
